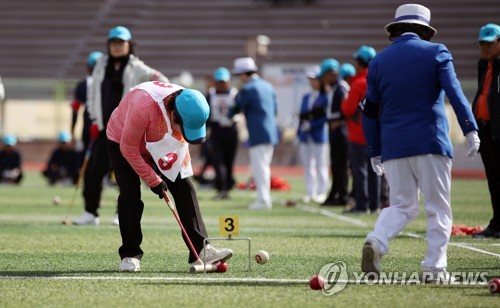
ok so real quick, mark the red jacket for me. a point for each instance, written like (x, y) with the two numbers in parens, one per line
(350, 108)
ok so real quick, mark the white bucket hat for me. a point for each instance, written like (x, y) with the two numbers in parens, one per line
(412, 14)
(244, 65)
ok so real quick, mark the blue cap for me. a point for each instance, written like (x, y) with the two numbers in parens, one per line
(64, 137)
(489, 33)
(328, 65)
(121, 33)
(92, 58)
(347, 70)
(192, 107)
(365, 53)
(222, 74)
(9, 140)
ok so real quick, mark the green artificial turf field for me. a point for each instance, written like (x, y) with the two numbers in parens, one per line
(45, 263)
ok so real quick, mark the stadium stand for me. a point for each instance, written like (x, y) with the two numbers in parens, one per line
(50, 38)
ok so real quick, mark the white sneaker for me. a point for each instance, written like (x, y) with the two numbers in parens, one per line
(259, 206)
(306, 199)
(115, 221)
(319, 198)
(130, 265)
(86, 219)
(370, 257)
(215, 254)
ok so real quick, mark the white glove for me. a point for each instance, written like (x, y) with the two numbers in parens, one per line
(472, 143)
(305, 126)
(377, 165)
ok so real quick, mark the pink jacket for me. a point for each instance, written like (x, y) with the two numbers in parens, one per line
(138, 115)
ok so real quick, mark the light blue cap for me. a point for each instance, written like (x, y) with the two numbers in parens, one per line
(347, 70)
(328, 65)
(222, 74)
(365, 53)
(64, 137)
(489, 33)
(92, 58)
(9, 140)
(121, 33)
(193, 109)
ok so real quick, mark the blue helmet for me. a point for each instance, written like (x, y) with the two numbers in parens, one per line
(347, 70)
(328, 65)
(365, 53)
(92, 58)
(9, 140)
(121, 33)
(222, 74)
(64, 137)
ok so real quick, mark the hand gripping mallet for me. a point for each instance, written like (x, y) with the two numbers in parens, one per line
(198, 266)
(88, 152)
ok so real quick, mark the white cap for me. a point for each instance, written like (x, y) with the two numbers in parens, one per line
(412, 14)
(313, 72)
(244, 65)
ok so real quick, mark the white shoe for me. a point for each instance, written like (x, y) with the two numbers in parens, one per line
(86, 219)
(214, 254)
(370, 257)
(130, 265)
(259, 206)
(319, 198)
(115, 221)
(306, 199)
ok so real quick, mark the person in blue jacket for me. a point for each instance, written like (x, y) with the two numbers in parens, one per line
(405, 125)
(313, 138)
(257, 100)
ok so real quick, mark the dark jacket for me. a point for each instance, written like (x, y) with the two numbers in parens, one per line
(493, 96)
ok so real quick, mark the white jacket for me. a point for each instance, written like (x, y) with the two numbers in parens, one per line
(135, 72)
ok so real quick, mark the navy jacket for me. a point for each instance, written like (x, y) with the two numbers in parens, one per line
(319, 130)
(408, 81)
(257, 100)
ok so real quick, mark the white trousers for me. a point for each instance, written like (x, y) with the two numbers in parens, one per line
(430, 174)
(315, 162)
(260, 162)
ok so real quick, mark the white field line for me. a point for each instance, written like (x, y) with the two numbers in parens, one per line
(311, 209)
(363, 224)
(221, 279)
(461, 245)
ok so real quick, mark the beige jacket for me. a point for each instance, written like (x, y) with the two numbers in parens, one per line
(135, 72)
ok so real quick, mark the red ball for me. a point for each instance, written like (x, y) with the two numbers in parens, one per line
(222, 267)
(291, 203)
(317, 282)
(494, 285)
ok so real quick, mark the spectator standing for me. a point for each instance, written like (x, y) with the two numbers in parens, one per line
(313, 137)
(257, 100)
(113, 76)
(223, 137)
(405, 125)
(337, 91)
(366, 182)
(486, 106)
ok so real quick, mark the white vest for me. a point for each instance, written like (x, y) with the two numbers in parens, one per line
(170, 154)
(220, 106)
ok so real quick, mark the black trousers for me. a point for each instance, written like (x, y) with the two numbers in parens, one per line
(130, 206)
(339, 164)
(224, 142)
(490, 154)
(98, 167)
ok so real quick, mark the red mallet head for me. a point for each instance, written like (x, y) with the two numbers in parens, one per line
(494, 285)
(291, 203)
(317, 282)
(222, 267)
